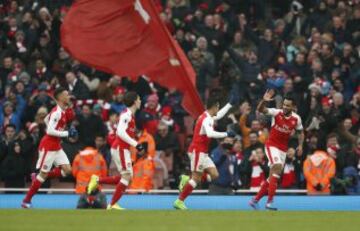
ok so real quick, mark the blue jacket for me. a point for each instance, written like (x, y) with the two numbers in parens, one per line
(226, 165)
(17, 114)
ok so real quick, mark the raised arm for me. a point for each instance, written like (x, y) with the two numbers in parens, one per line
(268, 96)
(222, 112)
(210, 132)
(121, 130)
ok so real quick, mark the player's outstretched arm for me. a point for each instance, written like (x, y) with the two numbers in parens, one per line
(268, 96)
(210, 132)
(222, 112)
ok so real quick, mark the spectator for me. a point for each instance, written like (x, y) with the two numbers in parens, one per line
(167, 145)
(103, 148)
(6, 140)
(117, 105)
(76, 86)
(87, 163)
(319, 168)
(255, 126)
(149, 116)
(13, 167)
(225, 161)
(89, 125)
(292, 170)
(72, 147)
(255, 169)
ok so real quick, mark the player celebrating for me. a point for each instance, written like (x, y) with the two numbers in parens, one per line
(50, 151)
(120, 152)
(198, 150)
(283, 123)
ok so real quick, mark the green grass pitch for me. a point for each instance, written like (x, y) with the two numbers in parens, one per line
(101, 220)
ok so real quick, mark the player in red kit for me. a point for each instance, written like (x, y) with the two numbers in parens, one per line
(120, 151)
(198, 150)
(50, 151)
(283, 123)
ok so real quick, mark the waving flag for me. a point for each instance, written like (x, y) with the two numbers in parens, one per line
(127, 38)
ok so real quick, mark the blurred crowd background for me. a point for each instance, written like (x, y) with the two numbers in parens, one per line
(309, 49)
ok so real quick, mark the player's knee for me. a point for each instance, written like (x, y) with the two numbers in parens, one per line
(126, 176)
(214, 175)
(66, 170)
(276, 168)
(43, 175)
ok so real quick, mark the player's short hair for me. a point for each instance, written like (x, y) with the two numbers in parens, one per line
(212, 101)
(130, 98)
(290, 98)
(58, 91)
(332, 135)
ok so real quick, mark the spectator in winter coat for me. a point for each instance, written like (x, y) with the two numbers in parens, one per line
(76, 86)
(89, 125)
(13, 167)
(149, 116)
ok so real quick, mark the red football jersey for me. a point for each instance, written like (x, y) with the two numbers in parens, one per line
(200, 141)
(127, 122)
(281, 128)
(56, 122)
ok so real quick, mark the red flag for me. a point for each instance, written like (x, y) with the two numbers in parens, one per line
(127, 38)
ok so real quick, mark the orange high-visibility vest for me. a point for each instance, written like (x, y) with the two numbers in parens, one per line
(87, 163)
(145, 137)
(322, 173)
(144, 170)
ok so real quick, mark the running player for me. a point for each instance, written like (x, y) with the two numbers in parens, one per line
(284, 122)
(50, 151)
(198, 150)
(120, 152)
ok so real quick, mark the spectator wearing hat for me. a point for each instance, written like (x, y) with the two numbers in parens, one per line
(118, 95)
(149, 115)
(173, 99)
(166, 118)
(10, 115)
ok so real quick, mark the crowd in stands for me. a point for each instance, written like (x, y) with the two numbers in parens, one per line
(309, 49)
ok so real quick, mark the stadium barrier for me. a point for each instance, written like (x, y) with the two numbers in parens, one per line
(152, 191)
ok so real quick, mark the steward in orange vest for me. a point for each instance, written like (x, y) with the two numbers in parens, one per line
(87, 163)
(319, 168)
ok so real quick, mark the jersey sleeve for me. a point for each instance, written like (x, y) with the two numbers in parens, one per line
(273, 111)
(52, 121)
(222, 112)
(299, 126)
(209, 130)
(123, 124)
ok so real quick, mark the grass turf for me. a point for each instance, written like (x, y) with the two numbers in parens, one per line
(89, 220)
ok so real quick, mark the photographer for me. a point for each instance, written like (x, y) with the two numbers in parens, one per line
(95, 200)
(225, 161)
